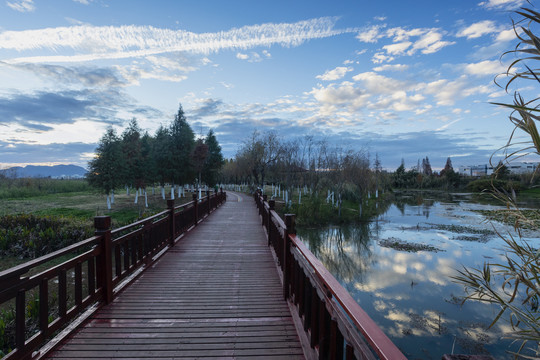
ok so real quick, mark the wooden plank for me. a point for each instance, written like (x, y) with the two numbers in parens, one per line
(216, 293)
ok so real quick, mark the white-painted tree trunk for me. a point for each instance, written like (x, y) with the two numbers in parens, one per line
(108, 202)
(172, 192)
(163, 192)
(127, 190)
(145, 199)
(112, 197)
(200, 195)
(377, 193)
(136, 196)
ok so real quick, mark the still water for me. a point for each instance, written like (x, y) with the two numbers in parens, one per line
(409, 294)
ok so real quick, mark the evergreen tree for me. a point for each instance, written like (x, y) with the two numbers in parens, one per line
(104, 170)
(200, 153)
(162, 155)
(447, 167)
(182, 145)
(131, 154)
(148, 168)
(214, 160)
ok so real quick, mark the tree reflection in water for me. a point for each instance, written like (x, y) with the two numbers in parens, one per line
(344, 250)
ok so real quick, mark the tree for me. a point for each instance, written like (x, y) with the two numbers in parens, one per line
(258, 153)
(162, 155)
(132, 165)
(214, 161)
(426, 167)
(182, 144)
(200, 153)
(104, 169)
(447, 167)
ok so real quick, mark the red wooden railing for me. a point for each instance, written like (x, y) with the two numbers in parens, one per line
(337, 327)
(95, 272)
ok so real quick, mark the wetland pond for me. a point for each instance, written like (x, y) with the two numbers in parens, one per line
(398, 268)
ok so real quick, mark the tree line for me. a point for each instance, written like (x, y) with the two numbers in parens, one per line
(172, 156)
(308, 163)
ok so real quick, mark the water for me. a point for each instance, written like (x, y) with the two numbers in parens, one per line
(410, 295)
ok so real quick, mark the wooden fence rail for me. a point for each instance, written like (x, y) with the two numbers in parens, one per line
(89, 272)
(337, 327)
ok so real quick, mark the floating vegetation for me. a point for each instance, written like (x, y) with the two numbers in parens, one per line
(481, 239)
(458, 229)
(526, 219)
(400, 245)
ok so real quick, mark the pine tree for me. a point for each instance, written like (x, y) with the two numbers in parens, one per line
(132, 167)
(182, 144)
(162, 155)
(105, 169)
(214, 160)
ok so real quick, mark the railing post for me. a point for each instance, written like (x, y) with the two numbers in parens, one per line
(172, 229)
(264, 218)
(196, 210)
(271, 206)
(290, 229)
(208, 200)
(102, 225)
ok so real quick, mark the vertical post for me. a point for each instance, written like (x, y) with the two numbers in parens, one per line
(172, 230)
(271, 207)
(44, 306)
(196, 204)
(208, 201)
(290, 229)
(20, 320)
(102, 225)
(264, 218)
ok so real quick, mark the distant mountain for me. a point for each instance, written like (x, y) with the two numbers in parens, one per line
(56, 171)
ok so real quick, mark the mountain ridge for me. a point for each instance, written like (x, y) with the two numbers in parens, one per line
(43, 171)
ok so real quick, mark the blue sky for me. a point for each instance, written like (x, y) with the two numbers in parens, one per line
(403, 79)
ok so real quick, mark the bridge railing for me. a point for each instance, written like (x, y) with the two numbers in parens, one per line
(49, 292)
(337, 327)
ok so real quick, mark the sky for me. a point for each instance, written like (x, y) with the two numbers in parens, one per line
(402, 79)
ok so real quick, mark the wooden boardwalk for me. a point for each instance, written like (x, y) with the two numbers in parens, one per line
(216, 293)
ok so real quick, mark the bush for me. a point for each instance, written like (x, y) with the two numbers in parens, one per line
(30, 236)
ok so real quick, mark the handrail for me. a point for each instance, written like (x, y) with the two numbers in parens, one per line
(101, 265)
(332, 319)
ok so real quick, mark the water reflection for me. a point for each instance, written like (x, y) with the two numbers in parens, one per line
(344, 250)
(410, 294)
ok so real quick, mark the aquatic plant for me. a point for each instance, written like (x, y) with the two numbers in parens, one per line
(514, 285)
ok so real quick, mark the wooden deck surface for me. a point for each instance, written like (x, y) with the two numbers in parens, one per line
(215, 294)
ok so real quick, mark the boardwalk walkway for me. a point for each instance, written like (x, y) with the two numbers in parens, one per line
(215, 294)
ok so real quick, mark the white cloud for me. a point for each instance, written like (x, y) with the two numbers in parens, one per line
(21, 5)
(267, 54)
(391, 67)
(427, 41)
(498, 4)
(506, 35)
(335, 74)
(448, 92)
(380, 57)
(486, 67)
(110, 42)
(397, 49)
(478, 29)
(370, 34)
(242, 56)
(430, 42)
(400, 34)
(84, 2)
(378, 84)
